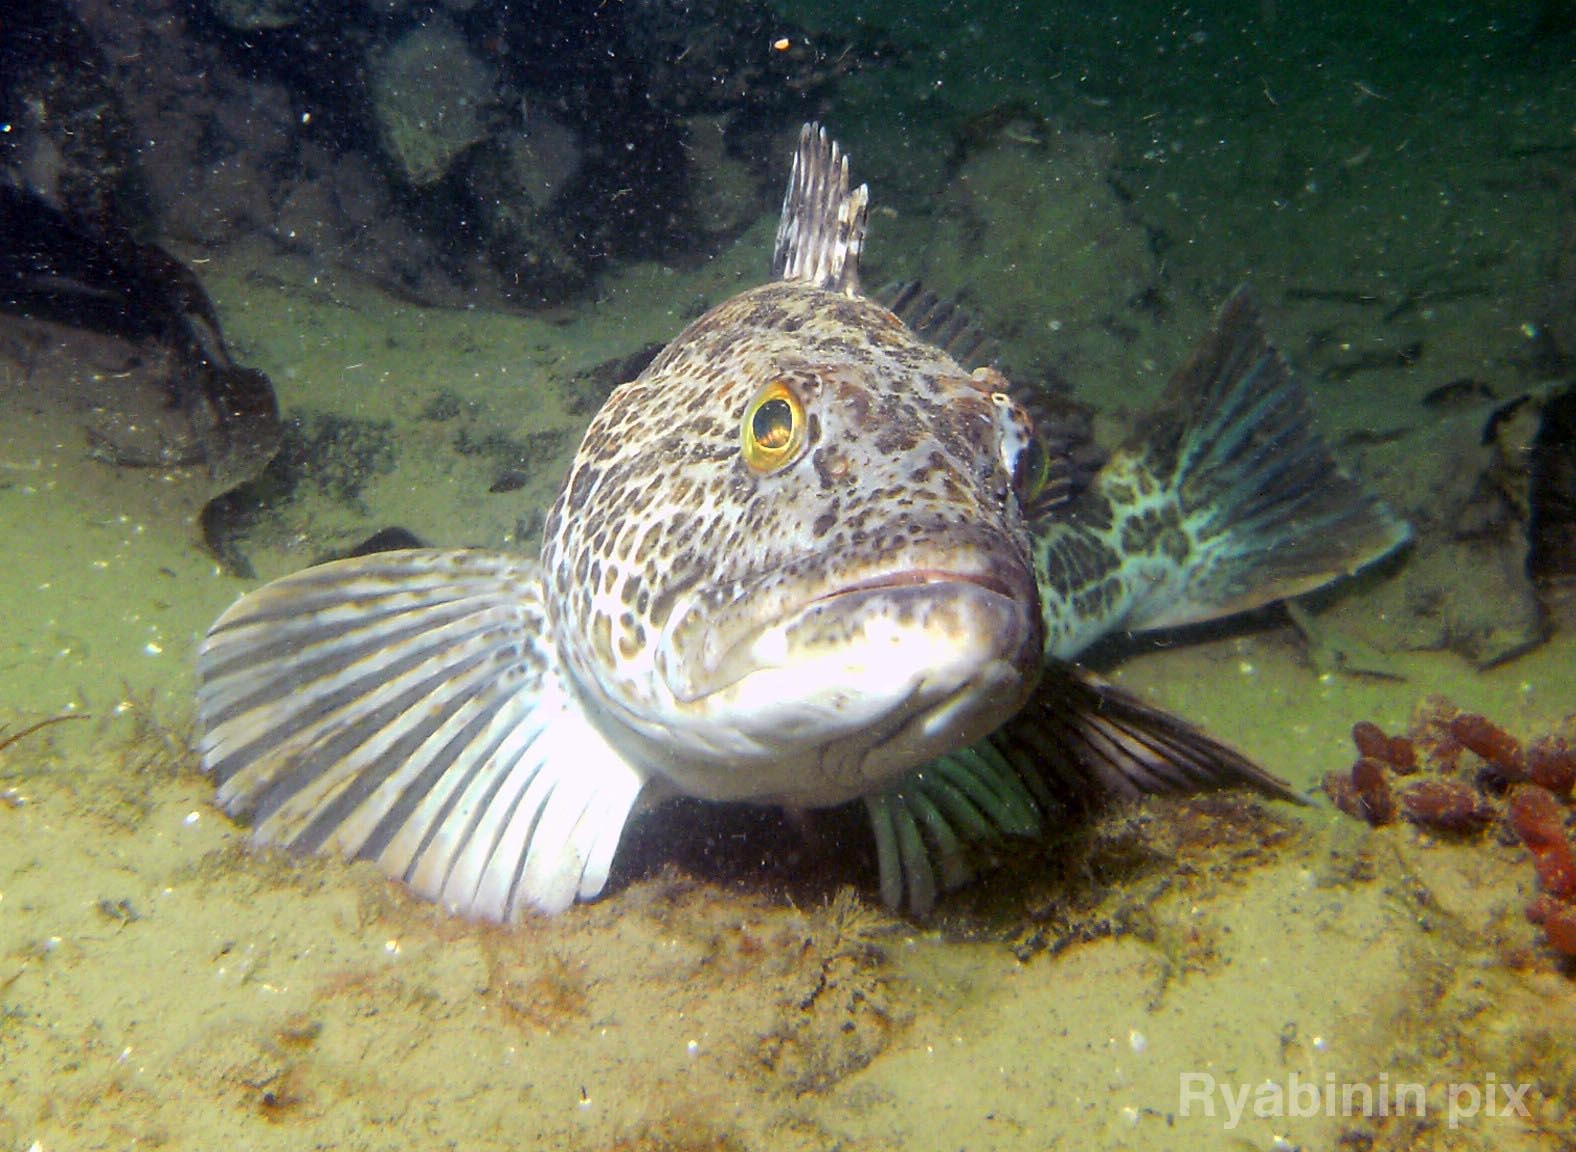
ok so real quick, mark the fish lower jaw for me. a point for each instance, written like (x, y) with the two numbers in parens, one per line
(844, 765)
(873, 636)
(812, 738)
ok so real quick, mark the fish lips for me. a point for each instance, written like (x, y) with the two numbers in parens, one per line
(872, 632)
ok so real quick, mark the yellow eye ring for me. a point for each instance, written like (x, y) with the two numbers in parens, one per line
(774, 428)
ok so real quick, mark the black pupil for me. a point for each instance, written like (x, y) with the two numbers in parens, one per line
(773, 424)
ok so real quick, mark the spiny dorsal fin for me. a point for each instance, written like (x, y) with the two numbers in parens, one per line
(939, 321)
(823, 223)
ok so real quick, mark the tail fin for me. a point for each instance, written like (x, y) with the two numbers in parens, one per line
(1264, 511)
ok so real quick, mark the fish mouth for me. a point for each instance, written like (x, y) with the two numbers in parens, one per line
(980, 604)
(919, 578)
(814, 696)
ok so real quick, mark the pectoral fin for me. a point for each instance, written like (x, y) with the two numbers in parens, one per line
(406, 707)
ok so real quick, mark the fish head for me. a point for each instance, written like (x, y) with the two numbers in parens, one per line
(789, 563)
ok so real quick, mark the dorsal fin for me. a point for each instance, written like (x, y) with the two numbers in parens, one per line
(823, 223)
(940, 322)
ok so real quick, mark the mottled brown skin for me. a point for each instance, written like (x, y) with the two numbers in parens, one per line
(1097, 555)
(668, 557)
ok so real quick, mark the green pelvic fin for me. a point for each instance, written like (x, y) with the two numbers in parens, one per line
(940, 817)
(405, 707)
(1077, 744)
(1266, 511)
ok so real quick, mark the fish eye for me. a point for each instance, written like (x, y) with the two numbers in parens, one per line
(774, 426)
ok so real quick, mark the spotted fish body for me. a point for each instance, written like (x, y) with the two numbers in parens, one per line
(805, 558)
(781, 635)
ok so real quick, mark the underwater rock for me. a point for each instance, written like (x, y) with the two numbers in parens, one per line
(516, 182)
(543, 158)
(725, 194)
(741, 59)
(1553, 346)
(103, 336)
(66, 138)
(120, 338)
(429, 94)
(1464, 587)
(256, 15)
(321, 454)
(1551, 529)
(1037, 217)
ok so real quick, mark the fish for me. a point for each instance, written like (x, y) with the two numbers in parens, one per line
(805, 558)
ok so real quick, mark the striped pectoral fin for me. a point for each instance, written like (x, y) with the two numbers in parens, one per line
(406, 708)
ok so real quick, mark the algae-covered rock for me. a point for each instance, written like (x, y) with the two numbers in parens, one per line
(723, 189)
(1033, 216)
(516, 182)
(540, 160)
(429, 94)
(259, 15)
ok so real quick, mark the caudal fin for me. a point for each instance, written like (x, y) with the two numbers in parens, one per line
(1266, 513)
(405, 708)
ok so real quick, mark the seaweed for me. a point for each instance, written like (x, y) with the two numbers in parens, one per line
(515, 460)
(336, 455)
(587, 391)
(838, 1012)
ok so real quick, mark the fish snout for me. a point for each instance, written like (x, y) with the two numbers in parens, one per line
(871, 629)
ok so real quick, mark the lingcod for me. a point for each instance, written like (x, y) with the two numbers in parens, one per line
(806, 558)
